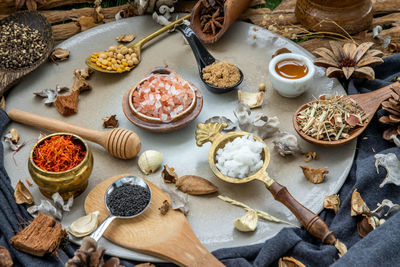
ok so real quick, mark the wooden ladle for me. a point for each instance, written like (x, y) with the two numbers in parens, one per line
(368, 102)
(120, 143)
(210, 132)
(137, 47)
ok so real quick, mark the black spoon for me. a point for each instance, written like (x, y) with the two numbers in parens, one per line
(204, 58)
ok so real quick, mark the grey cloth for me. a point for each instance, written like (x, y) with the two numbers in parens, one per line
(379, 248)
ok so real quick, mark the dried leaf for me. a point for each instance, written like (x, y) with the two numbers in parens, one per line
(258, 124)
(341, 247)
(253, 100)
(164, 207)
(290, 262)
(126, 38)
(168, 174)
(179, 200)
(358, 205)
(332, 202)
(315, 176)
(283, 50)
(59, 54)
(110, 122)
(22, 194)
(221, 119)
(286, 144)
(261, 214)
(310, 156)
(392, 165)
(195, 185)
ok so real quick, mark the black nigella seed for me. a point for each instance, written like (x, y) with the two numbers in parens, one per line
(128, 200)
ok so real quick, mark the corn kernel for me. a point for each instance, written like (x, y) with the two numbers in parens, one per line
(113, 61)
(98, 63)
(109, 63)
(127, 68)
(119, 70)
(109, 68)
(104, 66)
(124, 64)
(113, 67)
(93, 60)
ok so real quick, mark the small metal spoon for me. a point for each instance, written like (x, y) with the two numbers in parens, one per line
(133, 180)
(137, 47)
(204, 58)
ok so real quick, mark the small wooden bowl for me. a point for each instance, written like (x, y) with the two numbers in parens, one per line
(34, 20)
(155, 124)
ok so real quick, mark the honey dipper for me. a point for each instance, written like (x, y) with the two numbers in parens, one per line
(120, 143)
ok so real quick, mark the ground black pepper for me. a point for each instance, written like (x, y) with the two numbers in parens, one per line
(20, 46)
(128, 200)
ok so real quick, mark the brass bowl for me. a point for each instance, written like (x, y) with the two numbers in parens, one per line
(68, 183)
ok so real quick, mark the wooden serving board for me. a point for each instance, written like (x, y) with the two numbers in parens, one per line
(166, 236)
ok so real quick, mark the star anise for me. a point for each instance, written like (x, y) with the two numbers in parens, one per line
(349, 60)
(30, 4)
(391, 116)
(212, 16)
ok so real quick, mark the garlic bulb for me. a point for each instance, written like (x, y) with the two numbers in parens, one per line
(149, 161)
(248, 222)
(84, 225)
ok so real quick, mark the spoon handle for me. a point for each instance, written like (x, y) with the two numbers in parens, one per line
(311, 221)
(203, 57)
(98, 233)
(162, 30)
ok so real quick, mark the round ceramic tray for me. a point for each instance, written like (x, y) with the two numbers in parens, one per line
(210, 218)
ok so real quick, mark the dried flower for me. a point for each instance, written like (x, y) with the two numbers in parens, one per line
(195, 185)
(349, 60)
(315, 176)
(392, 116)
(392, 165)
(358, 205)
(332, 202)
(110, 122)
(168, 174)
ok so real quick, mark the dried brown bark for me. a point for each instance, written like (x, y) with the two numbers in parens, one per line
(64, 31)
(40, 237)
(8, 6)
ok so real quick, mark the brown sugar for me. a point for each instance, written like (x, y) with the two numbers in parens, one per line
(40, 237)
(221, 74)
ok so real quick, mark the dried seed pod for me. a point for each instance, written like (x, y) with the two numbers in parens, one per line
(110, 122)
(366, 225)
(5, 258)
(341, 247)
(168, 174)
(290, 262)
(149, 161)
(126, 38)
(22, 194)
(248, 222)
(85, 225)
(195, 185)
(315, 176)
(358, 205)
(332, 202)
(253, 100)
(164, 207)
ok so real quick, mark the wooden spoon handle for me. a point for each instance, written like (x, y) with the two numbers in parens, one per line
(56, 125)
(311, 221)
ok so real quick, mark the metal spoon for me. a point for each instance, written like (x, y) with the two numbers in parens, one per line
(137, 47)
(133, 180)
(204, 58)
(368, 102)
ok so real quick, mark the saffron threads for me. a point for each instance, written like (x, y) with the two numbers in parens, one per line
(59, 153)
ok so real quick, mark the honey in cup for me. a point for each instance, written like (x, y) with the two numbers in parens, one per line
(291, 68)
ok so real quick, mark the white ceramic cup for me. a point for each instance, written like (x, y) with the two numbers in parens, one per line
(291, 87)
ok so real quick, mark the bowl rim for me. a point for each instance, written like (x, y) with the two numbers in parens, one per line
(154, 119)
(87, 155)
(302, 58)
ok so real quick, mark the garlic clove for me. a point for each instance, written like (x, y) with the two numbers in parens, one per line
(149, 161)
(248, 222)
(85, 225)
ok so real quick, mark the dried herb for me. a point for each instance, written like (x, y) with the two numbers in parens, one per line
(164, 207)
(315, 176)
(20, 46)
(310, 156)
(391, 164)
(67, 104)
(358, 205)
(110, 122)
(30, 4)
(59, 153)
(290, 262)
(169, 175)
(58, 55)
(126, 38)
(55, 210)
(221, 74)
(50, 95)
(286, 144)
(261, 214)
(211, 16)
(332, 202)
(330, 118)
(5, 258)
(221, 119)
(22, 194)
(349, 60)
(179, 200)
(253, 100)
(391, 118)
(341, 247)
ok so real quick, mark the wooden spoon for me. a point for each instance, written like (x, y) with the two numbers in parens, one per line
(368, 102)
(120, 143)
(137, 47)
